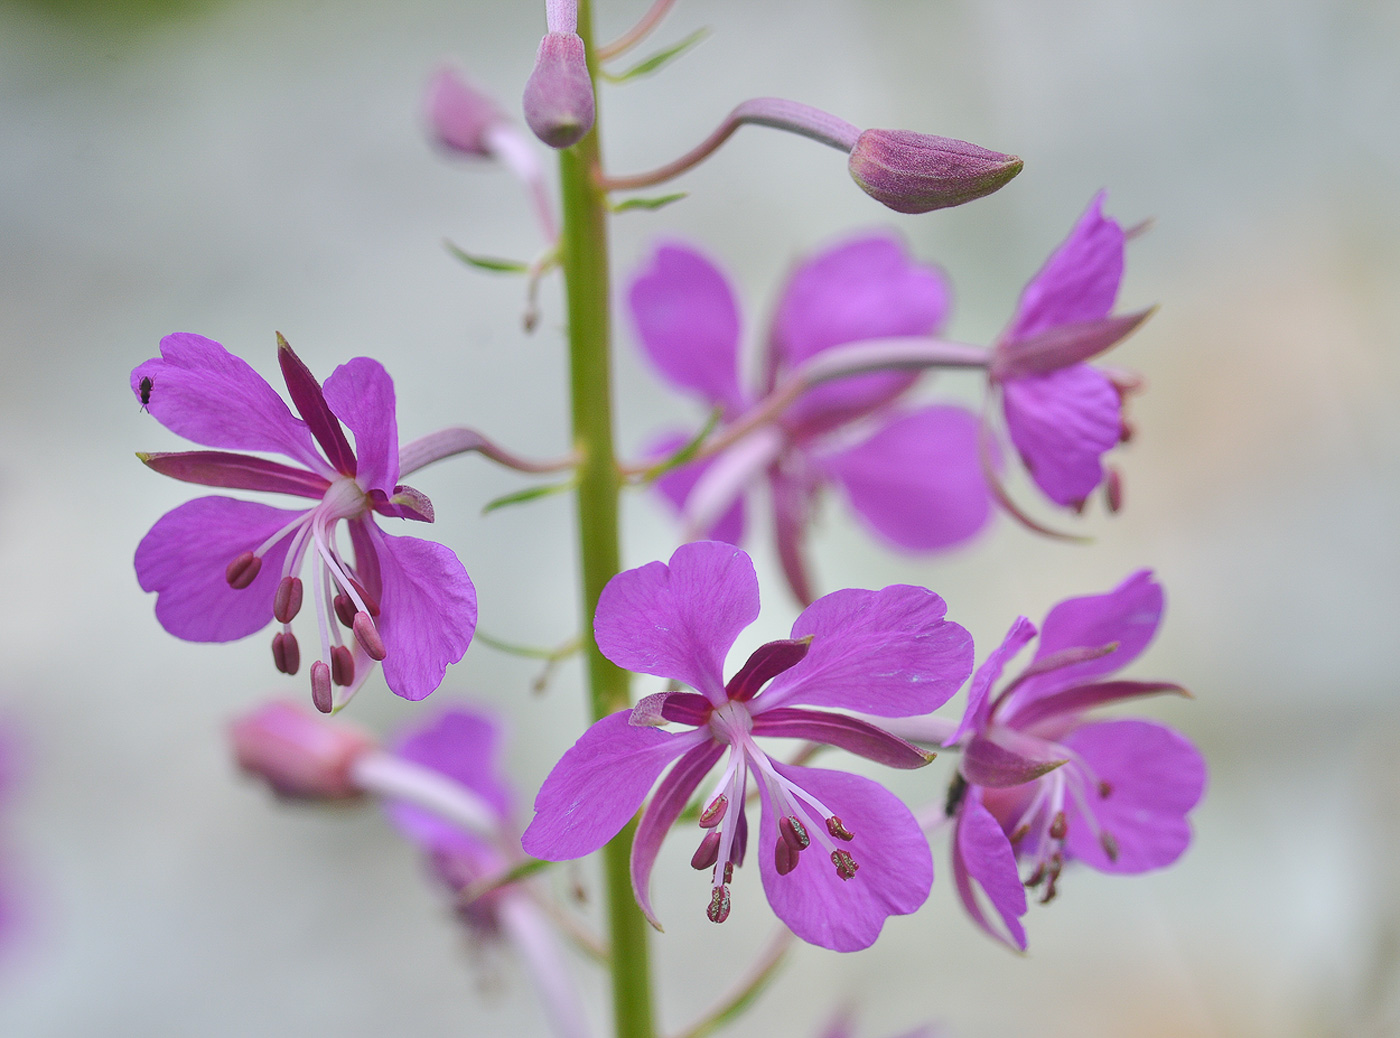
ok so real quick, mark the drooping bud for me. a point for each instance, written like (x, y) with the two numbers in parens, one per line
(707, 853)
(461, 115)
(321, 697)
(242, 571)
(845, 865)
(559, 93)
(286, 603)
(838, 829)
(286, 653)
(344, 609)
(714, 812)
(368, 637)
(718, 911)
(342, 666)
(297, 753)
(917, 173)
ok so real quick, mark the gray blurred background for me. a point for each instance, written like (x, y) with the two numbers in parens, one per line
(234, 168)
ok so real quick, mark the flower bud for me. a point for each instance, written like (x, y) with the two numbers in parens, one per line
(559, 94)
(460, 114)
(916, 173)
(299, 754)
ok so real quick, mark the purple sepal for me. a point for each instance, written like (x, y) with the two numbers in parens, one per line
(766, 663)
(987, 763)
(917, 172)
(1063, 345)
(460, 114)
(559, 93)
(311, 404)
(848, 733)
(406, 503)
(1076, 701)
(981, 853)
(661, 814)
(235, 472)
(791, 505)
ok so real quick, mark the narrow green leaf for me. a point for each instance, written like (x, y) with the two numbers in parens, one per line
(686, 453)
(499, 266)
(514, 874)
(528, 494)
(654, 62)
(646, 203)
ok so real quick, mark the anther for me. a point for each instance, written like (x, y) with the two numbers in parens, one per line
(707, 853)
(1058, 826)
(1110, 845)
(371, 603)
(286, 653)
(1113, 491)
(286, 603)
(714, 812)
(729, 872)
(344, 609)
(342, 666)
(794, 833)
(784, 857)
(1056, 863)
(845, 865)
(321, 686)
(1105, 788)
(1020, 832)
(368, 637)
(242, 571)
(838, 829)
(718, 911)
(1037, 876)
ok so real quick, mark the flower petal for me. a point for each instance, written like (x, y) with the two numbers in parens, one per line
(361, 394)
(204, 393)
(889, 653)
(918, 481)
(427, 611)
(184, 557)
(661, 814)
(678, 621)
(676, 487)
(688, 324)
(1154, 775)
(598, 785)
(982, 854)
(978, 693)
(895, 866)
(1061, 423)
(864, 288)
(840, 730)
(1079, 281)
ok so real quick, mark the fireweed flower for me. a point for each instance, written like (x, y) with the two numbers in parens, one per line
(223, 568)
(911, 475)
(1041, 784)
(838, 853)
(1062, 415)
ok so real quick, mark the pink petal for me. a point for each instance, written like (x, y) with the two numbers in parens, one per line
(978, 693)
(427, 611)
(864, 288)
(1061, 424)
(889, 653)
(918, 481)
(184, 557)
(982, 855)
(848, 733)
(688, 323)
(204, 393)
(661, 814)
(361, 394)
(678, 621)
(895, 867)
(1155, 777)
(676, 487)
(598, 785)
(1079, 281)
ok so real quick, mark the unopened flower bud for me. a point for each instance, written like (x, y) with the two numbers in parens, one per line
(916, 172)
(461, 115)
(299, 754)
(559, 94)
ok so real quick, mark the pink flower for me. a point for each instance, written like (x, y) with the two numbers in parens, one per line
(223, 568)
(911, 475)
(838, 853)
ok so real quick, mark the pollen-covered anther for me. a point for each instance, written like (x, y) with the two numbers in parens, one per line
(286, 603)
(242, 571)
(729, 872)
(368, 636)
(714, 812)
(794, 833)
(1058, 826)
(342, 666)
(845, 865)
(344, 609)
(286, 653)
(837, 829)
(321, 687)
(1109, 844)
(1020, 832)
(1105, 788)
(707, 853)
(1052, 874)
(718, 911)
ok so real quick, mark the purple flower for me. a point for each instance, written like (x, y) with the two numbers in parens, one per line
(1061, 414)
(222, 568)
(887, 653)
(912, 476)
(1041, 784)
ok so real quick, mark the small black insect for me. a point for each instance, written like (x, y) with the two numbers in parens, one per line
(143, 390)
(956, 792)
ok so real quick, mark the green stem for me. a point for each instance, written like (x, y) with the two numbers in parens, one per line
(584, 257)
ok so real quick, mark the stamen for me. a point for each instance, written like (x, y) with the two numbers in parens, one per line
(784, 857)
(286, 653)
(794, 833)
(837, 828)
(707, 853)
(321, 686)
(345, 609)
(714, 812)
(729, 872)
(1113, 491)
(242, 571)
(718, 911)
(1105, 788)
(1109, 844)
(368, 637)
(1059, 825)
(1037, 876)
(286, 603)
(370, 603)
(342, 666)
(1020, 832)
(1056, 863)
(845, 865)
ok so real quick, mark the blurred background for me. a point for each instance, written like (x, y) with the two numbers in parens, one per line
(235, 167)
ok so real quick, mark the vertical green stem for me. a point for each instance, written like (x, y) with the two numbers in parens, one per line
(584, 248)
